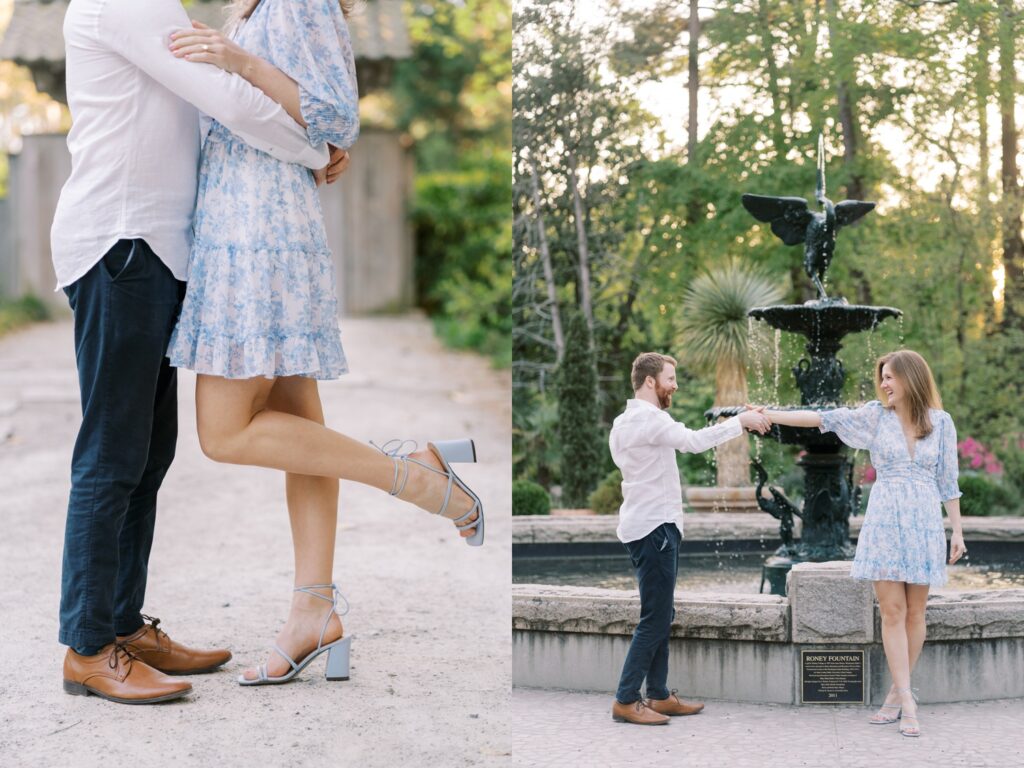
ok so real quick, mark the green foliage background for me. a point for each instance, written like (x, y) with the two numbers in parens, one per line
(453, 97)
(654, 215)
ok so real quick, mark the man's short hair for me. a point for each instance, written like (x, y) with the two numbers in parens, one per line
(649, 364)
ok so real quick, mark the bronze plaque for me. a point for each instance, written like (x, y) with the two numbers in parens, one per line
(832, 677)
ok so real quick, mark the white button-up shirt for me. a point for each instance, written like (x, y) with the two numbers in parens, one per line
(135, 137)
(644, 440)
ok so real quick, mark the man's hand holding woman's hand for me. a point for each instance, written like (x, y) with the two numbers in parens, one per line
(755, 419)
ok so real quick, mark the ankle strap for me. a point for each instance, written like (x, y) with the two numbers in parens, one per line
(333, 600)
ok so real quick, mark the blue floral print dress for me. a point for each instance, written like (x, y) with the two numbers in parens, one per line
(902, 538)
(261, 296)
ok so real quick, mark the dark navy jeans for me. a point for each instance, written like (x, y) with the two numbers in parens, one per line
(656, 560)
(125, 309)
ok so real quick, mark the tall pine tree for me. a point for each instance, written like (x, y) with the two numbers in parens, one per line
(578, 415)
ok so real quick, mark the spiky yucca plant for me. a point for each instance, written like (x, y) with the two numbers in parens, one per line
(713, 332)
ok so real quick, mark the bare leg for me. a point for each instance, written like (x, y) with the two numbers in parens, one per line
(892, 603)
(313, 512)
(917, 600)
(237, 426)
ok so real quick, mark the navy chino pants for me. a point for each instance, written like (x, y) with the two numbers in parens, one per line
(656, 560)
(125, 309)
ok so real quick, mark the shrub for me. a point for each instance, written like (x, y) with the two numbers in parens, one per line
(607, 497)
(463, 253)
(983, 496)
(19, 312)
(528, 498)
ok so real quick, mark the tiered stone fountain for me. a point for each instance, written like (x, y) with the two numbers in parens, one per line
(829, 493)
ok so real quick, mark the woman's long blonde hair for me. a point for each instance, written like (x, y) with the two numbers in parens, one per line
(919, 385)
(242, 9)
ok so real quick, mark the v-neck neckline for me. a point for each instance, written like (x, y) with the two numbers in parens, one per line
(906, 445)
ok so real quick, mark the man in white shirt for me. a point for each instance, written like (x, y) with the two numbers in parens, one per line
(644, 440)
(120, 241)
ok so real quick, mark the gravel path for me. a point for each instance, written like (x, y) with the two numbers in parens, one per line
(221, 573)
(561, 728)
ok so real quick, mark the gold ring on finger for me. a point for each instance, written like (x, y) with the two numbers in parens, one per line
(206, 47)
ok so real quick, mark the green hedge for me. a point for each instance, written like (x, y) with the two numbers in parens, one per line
(985, 497)
(528, 498)
(464, 254)
(14, 314)
(607, 497)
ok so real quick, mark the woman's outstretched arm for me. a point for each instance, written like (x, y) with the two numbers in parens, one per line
(794, 418)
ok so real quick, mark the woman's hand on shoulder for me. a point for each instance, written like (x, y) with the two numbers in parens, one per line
(204, 45)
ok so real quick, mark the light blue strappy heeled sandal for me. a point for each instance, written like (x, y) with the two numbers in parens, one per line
(910, 730)
(448, 452)
(337, 651)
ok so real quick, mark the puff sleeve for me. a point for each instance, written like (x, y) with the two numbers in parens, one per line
(948, 467)
(854, 426)
(318, 56)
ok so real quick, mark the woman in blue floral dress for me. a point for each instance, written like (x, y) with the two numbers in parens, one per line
(902, 543)
(259, 323)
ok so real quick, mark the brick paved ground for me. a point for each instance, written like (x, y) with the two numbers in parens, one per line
(559, 728)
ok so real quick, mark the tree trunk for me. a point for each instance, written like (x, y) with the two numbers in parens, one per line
(733, 457)
(778, 131)
(842, 66)
(1013, 203)
(545, 256)
(581, 242)
(693, 85)
(983, 94)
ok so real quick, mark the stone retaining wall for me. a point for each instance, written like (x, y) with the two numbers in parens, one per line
(590, 529)
(747, 647)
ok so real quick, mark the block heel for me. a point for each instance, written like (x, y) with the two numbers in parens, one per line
(457, 451)
(338, 660)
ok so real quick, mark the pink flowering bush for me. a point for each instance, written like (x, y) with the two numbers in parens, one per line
(976, 457)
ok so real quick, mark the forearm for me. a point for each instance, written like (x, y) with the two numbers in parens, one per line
(953, 513)
(795, 418)
(276, 84)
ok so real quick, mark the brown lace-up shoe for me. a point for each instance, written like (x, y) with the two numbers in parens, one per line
(637, 713)
(116, 675)
(151, 645)
(673, 706)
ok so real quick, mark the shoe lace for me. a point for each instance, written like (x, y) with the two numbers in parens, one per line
(394, 447)
(116, 653)
(155, 623)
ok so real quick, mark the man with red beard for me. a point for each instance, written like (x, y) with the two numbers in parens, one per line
(644, 440)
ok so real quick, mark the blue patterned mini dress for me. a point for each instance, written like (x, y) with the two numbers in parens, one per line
(902, 538)
(261, 291)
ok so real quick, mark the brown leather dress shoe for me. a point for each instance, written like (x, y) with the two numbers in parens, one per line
(151, 645)
(116, 675)
(673, 706)
(637, 713)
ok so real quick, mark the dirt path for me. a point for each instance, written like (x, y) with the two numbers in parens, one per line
(221, 573)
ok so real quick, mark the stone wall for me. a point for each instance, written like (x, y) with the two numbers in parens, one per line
(591, 529)
(747, 647)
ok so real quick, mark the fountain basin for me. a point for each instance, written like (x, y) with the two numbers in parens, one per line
(747, 647)
(830, 318)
